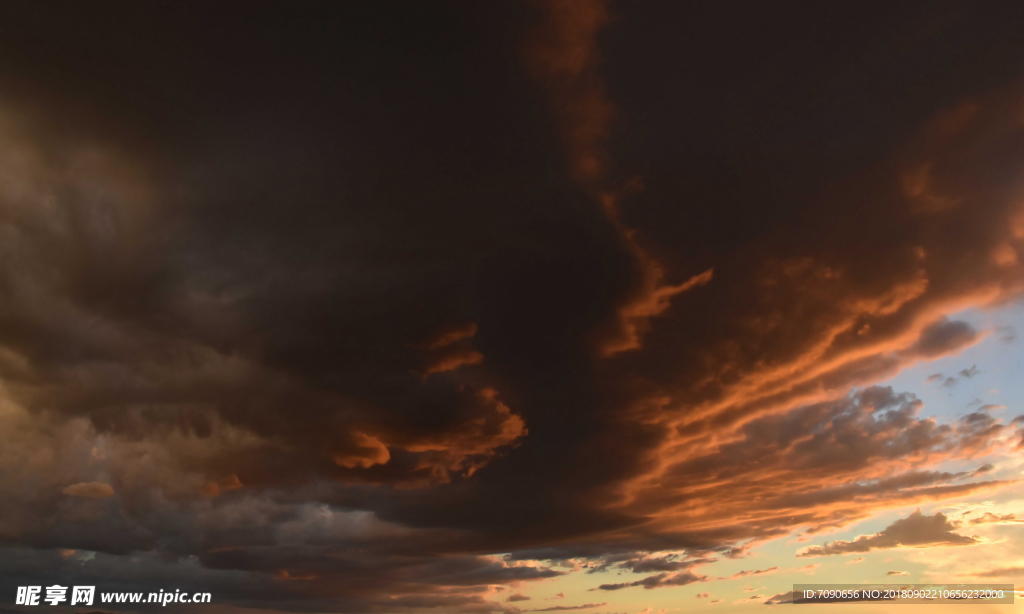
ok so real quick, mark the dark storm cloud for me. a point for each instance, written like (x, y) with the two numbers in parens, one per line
(321, 307)
(190, 342)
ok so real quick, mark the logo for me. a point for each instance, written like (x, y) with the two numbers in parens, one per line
(56, 594)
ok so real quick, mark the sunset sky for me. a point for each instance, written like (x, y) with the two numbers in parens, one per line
(476, 307)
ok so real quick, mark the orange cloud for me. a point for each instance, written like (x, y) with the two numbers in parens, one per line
(489, 427)
(286, 575)
(467, 448)
(632, 319)
(450, 334)
(225, 484)
(371, 451)
(562, 53)
(452, 360)
(449, 349)
(91, 490)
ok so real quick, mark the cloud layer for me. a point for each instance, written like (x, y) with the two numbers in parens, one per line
(371, 312)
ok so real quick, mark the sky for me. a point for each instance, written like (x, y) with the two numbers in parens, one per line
(509, 306)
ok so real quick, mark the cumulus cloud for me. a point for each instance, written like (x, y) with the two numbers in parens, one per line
(914, 531)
